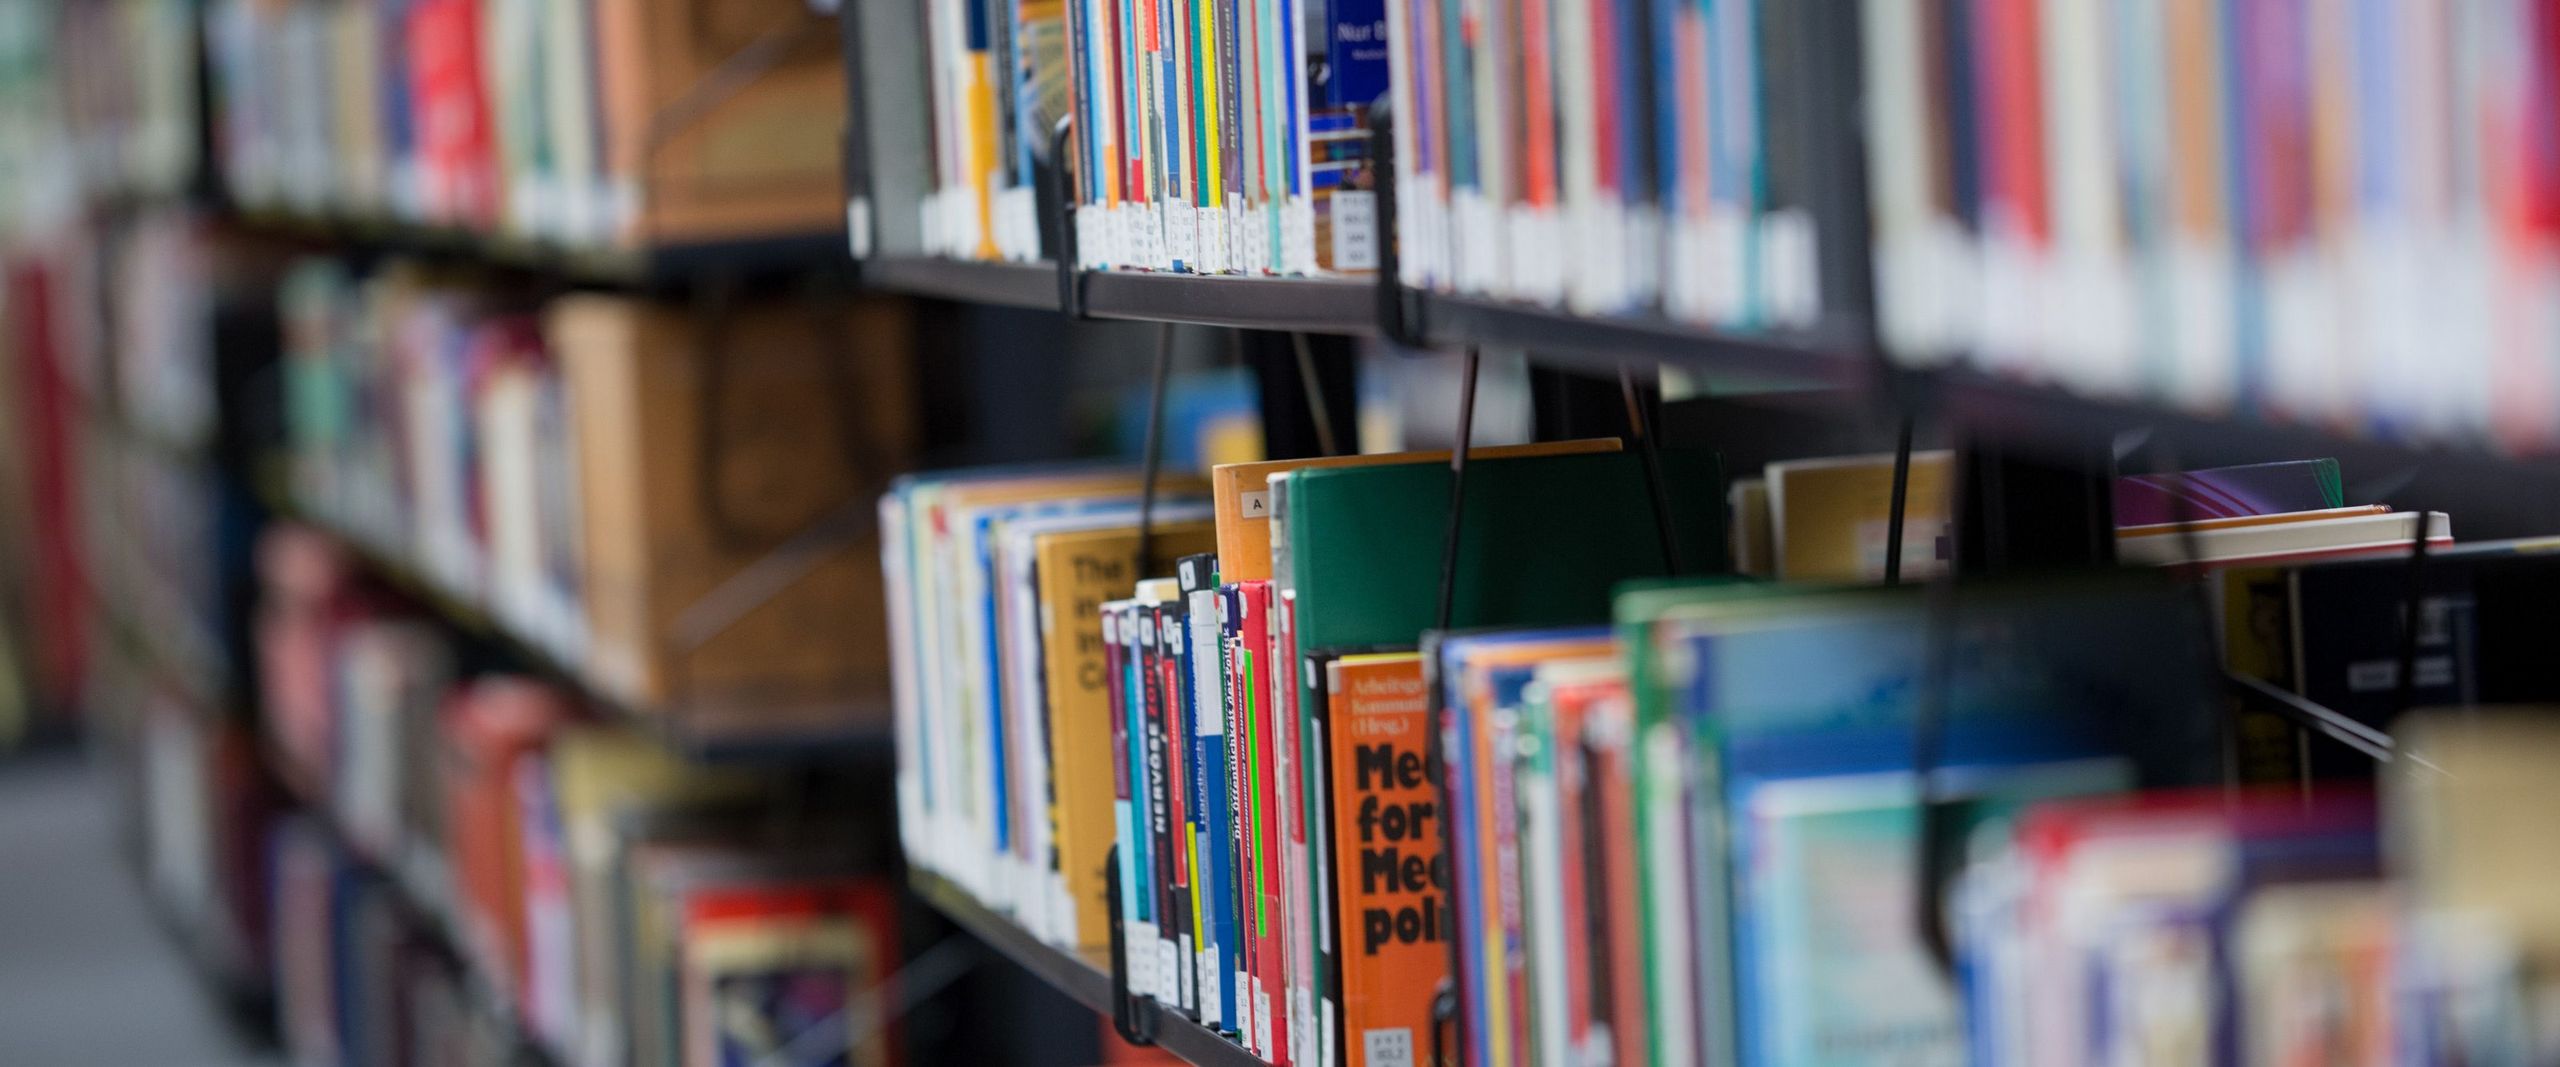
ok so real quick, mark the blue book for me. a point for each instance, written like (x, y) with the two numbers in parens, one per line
(1357, 52)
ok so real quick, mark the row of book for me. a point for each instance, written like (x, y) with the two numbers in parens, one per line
(585, 469)
(588, 125)
(1674, 821)
(620, 904)
(98, 103)
(1213, 138)
(2332, 212)
(1624, 157)
(1058, 736)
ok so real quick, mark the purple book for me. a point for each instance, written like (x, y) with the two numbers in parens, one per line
(2229, 492)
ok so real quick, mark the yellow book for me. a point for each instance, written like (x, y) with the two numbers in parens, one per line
(1242, 503)
(1828, 518)
(1077, 572)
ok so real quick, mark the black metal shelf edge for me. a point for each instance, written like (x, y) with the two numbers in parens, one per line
(1072, 974)
(1020, 285)
(864, 737)
(2467, 480)
(653, 267)
(1830, 355)
(1295, 305)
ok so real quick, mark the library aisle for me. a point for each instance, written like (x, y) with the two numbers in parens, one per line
(90, 978)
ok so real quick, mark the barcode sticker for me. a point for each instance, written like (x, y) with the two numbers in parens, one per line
(1355, 230)
(1182, 229)
(1388, 1047)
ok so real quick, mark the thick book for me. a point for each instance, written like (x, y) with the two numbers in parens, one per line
(787, 971)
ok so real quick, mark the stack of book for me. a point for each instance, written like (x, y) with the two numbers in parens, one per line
(619, 904)
(2335, 213)
(1068, 723)
(1621, 157)
(586, 469)
(620, 125)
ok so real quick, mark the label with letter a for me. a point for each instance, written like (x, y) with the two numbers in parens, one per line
(1387, 1048)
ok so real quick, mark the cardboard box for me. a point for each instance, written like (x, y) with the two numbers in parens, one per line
(722, 119)
(703, 447)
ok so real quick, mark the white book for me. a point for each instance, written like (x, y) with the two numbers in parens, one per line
(2272, 542)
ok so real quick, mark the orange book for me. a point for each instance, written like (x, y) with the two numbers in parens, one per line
(1390, 885)
(1241, 499)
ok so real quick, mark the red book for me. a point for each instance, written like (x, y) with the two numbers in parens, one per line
(1608, 735)
(1537, 159)
(1269, 915)
(489, 727)
(60, 585)
(455, 145)
(2012, 103)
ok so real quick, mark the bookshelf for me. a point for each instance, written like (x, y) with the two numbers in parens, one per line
(766, 734)
(1081, 977)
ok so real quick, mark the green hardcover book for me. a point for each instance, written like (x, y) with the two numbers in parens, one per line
(1546, 540)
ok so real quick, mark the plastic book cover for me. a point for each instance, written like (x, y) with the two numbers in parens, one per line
(1389, 884)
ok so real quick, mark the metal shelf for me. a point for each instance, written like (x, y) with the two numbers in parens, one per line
(2506, 495)
(1020, 285)
(1293, 305)
(1832, 355)
(1078, 975)
(653, 268)
(729, 733)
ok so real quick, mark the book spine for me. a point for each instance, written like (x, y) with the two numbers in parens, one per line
(1270, 922)
(1123, 794)
(1242, 808)
(1214, 893)
(1173, 683)
(1154, 828)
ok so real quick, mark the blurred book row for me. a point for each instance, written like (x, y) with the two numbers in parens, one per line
(616, 125)
(588, 469)
(625, 905)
